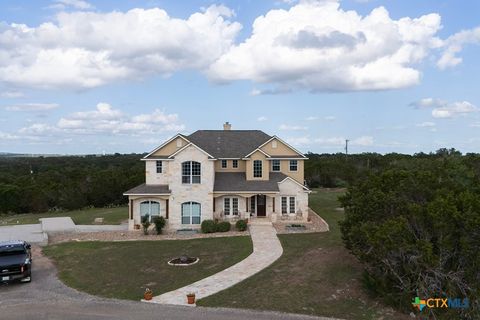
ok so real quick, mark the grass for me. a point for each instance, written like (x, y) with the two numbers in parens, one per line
(316, 275)
(124, 269)
(84, 216)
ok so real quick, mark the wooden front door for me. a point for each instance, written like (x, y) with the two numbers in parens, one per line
(261, 205)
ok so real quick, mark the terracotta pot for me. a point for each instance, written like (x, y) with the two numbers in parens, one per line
(191, 298)
(137, 227)
(148, 296)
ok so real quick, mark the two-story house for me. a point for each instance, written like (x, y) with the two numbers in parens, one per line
(220, 174)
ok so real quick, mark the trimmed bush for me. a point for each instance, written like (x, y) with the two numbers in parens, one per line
(159, 223)
(208, 226)
(241, 225)
(223, 226)
(145, 224)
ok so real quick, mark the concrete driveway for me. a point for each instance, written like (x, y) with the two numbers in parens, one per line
(46, 298)
(32, 233)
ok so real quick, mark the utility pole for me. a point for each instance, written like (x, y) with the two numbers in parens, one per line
(346, 147)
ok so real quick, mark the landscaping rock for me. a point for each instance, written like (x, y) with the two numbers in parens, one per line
(98, 220)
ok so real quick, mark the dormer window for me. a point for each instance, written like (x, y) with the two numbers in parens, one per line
(224, 164)
(191, 172)
(159, 166)
(257, 168)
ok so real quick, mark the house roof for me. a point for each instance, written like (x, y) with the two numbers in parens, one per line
(145, 189)
(228, 143)
(236, 181)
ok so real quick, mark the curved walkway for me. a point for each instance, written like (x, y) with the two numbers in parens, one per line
(266, 249)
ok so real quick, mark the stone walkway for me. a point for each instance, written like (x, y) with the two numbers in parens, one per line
(266, 249)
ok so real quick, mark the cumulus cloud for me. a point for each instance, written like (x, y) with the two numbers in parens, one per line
(426, 124)
(11, 94)
(86, 49)
(454, 45)
(75, 4)
(315, 45)
(262, 118)
(33, 107)
(445, 109)
(311, 118)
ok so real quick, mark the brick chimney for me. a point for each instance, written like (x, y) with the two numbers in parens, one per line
(227, 126)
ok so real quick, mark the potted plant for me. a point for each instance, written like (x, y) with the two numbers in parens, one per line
(148, 295)
(191, 298)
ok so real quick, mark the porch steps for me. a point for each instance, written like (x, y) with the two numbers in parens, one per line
(259, 222)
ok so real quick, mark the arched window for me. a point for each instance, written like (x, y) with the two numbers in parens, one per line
(150, 209)
(191, 172)
(191, 213)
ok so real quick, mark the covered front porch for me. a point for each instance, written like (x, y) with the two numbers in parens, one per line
(268, 206)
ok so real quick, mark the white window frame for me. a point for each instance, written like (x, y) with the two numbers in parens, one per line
(159, 165)
(261, 168)
(190, 216)
(290, 165)
(235, 164)
(190, 174)
(224, 164)
(228, 206)
(150, 214)
(289, 200)
(279, 165)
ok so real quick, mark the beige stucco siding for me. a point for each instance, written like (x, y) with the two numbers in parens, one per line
(265, 166)
(230, 168)
(281, 149)
(170, 147)
(285, 169)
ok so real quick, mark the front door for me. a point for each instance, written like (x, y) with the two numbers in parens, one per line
(261, 205)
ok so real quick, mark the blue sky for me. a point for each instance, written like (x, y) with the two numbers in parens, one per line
(122, 76)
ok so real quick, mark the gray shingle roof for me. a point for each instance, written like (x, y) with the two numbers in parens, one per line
(236, 181)
(228, 143)
(148, 189)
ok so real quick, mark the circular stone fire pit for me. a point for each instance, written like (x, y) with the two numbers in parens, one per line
(183, 261)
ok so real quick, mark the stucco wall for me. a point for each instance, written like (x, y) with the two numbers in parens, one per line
(265, 166)
(171, 147)
(285, 169)
(230, 168)
(281, 149)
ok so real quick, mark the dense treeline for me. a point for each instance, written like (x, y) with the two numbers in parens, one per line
(416, 228)
(39, 184)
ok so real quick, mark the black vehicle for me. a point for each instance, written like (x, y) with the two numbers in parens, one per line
(15, 261)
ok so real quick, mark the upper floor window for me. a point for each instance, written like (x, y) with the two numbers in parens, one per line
(293, 165)
(275, 165)
(224, 164)
(159, 166)
(257, 168)
(191, 172)
(235, 163)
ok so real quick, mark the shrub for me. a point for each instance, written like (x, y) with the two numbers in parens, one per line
(223, 226)
(241, 225)
(208, 226)
(145, 224)
(159, 223)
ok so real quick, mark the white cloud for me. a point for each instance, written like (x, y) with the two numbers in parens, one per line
(362, 141)
(262, 118)
(7, 136)
(86, 49)
(454, 45)
(330, 118)
(311, 118)
(335, 141)
(315, 45)
(299, 141)
(288, 127)
(426, 124)
(445, 109)
(76, 4)
(11, 94)
(33, 107)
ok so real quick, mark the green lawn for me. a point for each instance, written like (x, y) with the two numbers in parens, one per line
(315, 275)
(123, 269)
(84, 216)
